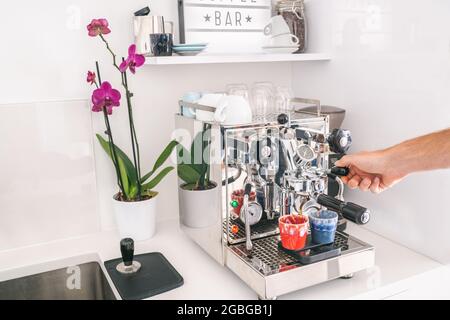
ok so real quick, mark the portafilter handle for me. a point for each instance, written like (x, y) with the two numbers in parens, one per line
(339, 171)
(349, 210)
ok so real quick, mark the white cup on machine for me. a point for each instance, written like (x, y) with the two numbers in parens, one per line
(233, 110)
(210, 100)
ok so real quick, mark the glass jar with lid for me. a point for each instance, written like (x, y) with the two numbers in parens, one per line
(293, 11)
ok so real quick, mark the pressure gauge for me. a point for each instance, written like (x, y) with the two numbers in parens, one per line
(266, 151)
(306, 153)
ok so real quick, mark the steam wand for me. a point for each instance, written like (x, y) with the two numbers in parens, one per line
(245, 206)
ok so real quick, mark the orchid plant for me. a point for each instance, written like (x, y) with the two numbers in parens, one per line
(133, 186)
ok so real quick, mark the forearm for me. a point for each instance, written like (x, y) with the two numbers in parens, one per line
(428, 152)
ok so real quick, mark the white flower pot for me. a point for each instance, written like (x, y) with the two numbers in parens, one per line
(199, 208)
(136, 220)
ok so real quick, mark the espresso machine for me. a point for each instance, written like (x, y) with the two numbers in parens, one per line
(274, 166)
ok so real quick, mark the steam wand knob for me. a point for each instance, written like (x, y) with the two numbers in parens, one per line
(340, 141)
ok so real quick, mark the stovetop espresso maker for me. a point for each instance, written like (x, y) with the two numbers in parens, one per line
(278, 165)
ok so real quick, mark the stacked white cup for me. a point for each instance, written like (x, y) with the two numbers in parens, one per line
(279, 34)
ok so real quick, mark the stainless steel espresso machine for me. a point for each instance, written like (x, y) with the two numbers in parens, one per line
(272, 167)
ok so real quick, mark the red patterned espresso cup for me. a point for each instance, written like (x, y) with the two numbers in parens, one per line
(293, 231)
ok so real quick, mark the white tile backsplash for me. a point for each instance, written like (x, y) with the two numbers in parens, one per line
(48, 187)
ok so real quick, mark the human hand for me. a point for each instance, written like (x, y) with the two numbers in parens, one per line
(372, 171)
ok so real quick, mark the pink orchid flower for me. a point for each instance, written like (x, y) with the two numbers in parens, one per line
(91, 77)
(133, 61)
(97, 27)
(105, 97)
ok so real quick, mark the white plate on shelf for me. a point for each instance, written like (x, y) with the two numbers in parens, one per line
(184, 45)
(189, 49)
(276, 49)
(187, 53)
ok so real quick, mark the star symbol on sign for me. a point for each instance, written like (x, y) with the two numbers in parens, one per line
(249, 19)
(207, 18)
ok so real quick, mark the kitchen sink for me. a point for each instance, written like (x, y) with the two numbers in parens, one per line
(85, 281)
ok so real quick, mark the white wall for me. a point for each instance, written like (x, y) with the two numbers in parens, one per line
(391, 71)
(45, 55)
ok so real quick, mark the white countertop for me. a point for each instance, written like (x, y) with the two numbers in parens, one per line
(399, 272)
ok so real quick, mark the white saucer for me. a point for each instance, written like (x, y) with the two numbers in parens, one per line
(279, 49)
(187, 53)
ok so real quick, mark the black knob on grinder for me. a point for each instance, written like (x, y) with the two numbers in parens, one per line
(127, 250)
(283, 118)
(349, 211)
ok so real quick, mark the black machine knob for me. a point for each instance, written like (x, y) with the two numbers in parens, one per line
(142, 12)
(340, 140)
(349, 211)
(283, 118)
(248, 189)
(127, 250)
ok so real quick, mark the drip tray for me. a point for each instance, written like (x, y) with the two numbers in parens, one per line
(267, 258)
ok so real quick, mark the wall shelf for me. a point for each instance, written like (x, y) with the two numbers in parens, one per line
(237, 58)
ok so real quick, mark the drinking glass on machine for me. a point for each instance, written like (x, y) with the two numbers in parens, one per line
(262, 99)
(239, 89)
(282, 100)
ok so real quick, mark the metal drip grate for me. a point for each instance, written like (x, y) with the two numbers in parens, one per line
(267, 258)
(263, 229)
(267, 251)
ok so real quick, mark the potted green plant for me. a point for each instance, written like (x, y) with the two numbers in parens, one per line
(135, 203)
(198, 195)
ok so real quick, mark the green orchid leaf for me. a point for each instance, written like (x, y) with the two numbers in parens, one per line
(183, 155)
(133, 192)
(197, 149)
(155, 181)
(161, 159)
(128, 165)
(186, 158)
(149, 193)
(126, 169)
(124, 177)
(188, 174)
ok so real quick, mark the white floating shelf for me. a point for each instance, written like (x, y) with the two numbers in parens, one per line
(237, 58)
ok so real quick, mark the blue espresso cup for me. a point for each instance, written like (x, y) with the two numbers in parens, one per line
(323, 225)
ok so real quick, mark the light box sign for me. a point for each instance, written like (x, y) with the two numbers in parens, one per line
(224, 22)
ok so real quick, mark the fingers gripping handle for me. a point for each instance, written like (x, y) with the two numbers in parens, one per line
(349, 211)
